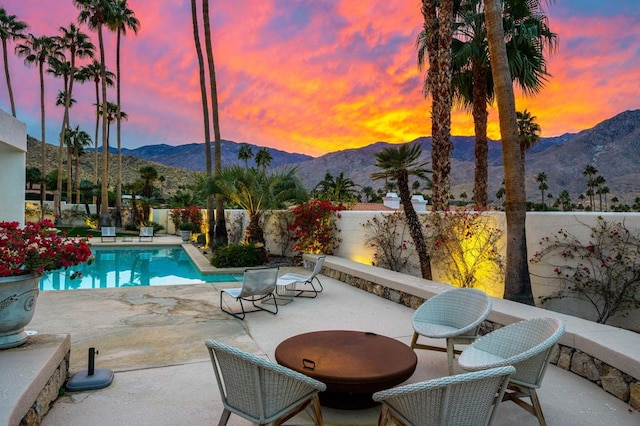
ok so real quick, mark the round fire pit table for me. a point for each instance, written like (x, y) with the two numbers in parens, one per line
(353, 364)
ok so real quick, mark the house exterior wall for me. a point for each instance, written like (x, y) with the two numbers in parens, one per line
(13, 154)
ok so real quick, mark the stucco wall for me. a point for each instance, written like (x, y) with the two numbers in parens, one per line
(13, 151)
(539, 225)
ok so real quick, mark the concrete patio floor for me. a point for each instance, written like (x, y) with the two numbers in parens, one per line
(153, 339)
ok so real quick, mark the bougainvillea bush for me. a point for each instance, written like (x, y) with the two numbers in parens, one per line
(38, 248)
(314, 227)
(605, 270)
(191, 214)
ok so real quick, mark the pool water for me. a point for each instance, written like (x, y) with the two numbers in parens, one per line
(116, 267)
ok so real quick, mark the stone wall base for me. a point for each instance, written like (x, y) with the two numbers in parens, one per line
(47, 395)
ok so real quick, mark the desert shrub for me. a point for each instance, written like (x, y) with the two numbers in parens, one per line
(236, 255)
(388, 236)
(464, 244)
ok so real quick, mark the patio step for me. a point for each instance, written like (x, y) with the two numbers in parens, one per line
(32, 375)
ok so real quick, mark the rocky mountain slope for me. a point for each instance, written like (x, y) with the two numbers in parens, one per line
(612, 146)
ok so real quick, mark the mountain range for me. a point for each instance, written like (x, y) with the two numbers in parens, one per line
(612, 147)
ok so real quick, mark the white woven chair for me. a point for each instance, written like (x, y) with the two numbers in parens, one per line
(259, 390)
(307, 279)
(526, 345)
(454, 315)
(465, 399)
(258, 285)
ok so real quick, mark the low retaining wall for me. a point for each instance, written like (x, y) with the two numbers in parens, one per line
(32, 376)
(605, 355)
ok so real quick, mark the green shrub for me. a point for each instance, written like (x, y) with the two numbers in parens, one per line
(236, 255)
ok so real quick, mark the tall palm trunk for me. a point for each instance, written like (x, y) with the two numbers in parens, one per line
(517, 279)
(438, 25)
(118, 128)
(95, 139)
(480, 117)
(205, 113)
(415, 227)
(8, 77)
(76, 159)
(57, 198)
(220, 224)
(43, 185)
(105, 219)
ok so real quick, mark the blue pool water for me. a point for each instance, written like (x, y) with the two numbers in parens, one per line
(129, 267)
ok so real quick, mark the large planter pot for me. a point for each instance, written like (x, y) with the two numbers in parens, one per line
(18, 297)
(186, 235)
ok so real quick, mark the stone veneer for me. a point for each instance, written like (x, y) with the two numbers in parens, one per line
(612, 380)
(48, 395)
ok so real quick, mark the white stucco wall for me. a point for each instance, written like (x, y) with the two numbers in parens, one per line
(538, 224)
(13, 152)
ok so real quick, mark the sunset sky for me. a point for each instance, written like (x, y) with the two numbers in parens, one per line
(319, 76)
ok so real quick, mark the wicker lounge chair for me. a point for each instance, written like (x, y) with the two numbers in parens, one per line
(526, 345)
(454, 315)
(259, 390)
(307, 279)
(464, 399)
(108, 233)
(258, 285)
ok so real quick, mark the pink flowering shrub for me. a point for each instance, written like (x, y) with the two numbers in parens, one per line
(37, 248)
(314, 227)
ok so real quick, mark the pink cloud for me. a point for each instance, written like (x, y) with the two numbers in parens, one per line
(315, 77)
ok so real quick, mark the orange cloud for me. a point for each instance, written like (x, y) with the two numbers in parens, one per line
(316, 77)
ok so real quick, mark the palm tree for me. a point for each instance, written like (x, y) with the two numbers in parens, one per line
(122, 19)
(517, 279)
(438, 27)
(10, 29)
(399, 163)
(96, 13)
(598, 182)
(77, 45)
(60, 101)
(369, 193)
(589, 172)
(603, 190)
(38, 50)
(79, 140)
(564, 201)
(255, 193)
(93, 72)
(339, 189)
(112, 115)
(263, 159)
(245, 153)
(205, 112)
(149, 175)
(472, 82)
(528, 133)
(220, 227)
(541, 178)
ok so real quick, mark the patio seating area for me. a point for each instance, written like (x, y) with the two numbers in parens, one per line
(153, 338)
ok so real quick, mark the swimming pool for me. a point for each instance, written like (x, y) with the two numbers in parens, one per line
(116, 267)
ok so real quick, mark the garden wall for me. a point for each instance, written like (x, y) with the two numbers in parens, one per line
(539, 224)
